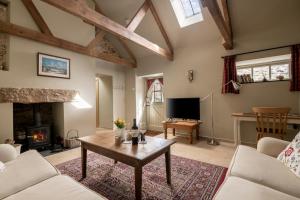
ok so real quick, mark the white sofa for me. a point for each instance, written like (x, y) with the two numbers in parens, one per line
(31, 177)
(258, 175)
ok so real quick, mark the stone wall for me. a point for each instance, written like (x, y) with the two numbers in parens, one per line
(32, 95)
(3, 40)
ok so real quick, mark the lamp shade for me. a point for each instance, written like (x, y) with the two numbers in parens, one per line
(236, 85)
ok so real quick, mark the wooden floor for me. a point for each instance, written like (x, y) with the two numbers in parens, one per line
(219, 155)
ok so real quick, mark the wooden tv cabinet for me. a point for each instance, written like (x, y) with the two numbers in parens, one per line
(188, 126)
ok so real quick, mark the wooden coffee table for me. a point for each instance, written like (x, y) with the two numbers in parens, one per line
(134, 155)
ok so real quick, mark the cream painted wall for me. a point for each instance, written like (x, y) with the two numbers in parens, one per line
(6, 121)
(208, 68)
(130, 99)
(22, 73)
(106, 102)
(140, 102)
(118, 75)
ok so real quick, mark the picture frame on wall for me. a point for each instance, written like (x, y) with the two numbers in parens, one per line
(53, 66)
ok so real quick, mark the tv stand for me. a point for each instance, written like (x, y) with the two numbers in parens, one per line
(189, 126)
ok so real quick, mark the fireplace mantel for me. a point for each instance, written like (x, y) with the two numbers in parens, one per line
(35, 95)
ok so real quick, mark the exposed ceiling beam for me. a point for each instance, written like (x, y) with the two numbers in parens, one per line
(216, 13)
(23, 32)
(161, 27)
(37, 17)
(80, 9)
(226, 15)
(227, 21)
(122, 42)
(138, 17)
(4, 2)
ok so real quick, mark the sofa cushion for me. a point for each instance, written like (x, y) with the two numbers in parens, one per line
(290, 156)
(235, 188)
(249, 164)
(57, 188)
(7, 152)
(26, 170)
(2, 166)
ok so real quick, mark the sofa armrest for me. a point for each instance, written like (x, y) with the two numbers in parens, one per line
(271, 146)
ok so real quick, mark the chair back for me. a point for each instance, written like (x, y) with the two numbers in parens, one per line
(271, 121)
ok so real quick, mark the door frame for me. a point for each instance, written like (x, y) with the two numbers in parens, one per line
(97, 103)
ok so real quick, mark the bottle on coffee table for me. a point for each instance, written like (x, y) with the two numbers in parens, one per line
(135, 136)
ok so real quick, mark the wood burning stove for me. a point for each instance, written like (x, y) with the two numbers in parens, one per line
(38, 136)
(33, 125)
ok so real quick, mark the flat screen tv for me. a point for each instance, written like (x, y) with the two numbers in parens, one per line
(183, 108)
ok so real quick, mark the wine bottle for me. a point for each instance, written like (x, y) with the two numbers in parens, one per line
(134, 126)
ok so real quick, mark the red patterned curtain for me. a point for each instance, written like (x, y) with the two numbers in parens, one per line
(228, 75)
(149, 83)
(295, 68)
(161, 80)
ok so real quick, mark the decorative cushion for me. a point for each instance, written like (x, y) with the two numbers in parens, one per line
(7, 152)
(2, 166)
(290, 156)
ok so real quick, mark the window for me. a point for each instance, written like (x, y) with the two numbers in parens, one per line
(157, 95)
(187, 11)
(190, 7)
(154, 91)
(264, 69)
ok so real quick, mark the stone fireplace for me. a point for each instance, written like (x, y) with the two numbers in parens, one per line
(37, 116)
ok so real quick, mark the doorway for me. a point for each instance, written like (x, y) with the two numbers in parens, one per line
(150, 104)
(104, 101)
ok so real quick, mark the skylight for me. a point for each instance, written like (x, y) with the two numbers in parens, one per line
(190, 7)
(187, 11)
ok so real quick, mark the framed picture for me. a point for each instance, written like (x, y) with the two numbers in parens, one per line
(53, 66)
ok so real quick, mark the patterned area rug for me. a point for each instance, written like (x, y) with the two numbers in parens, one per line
(190, 179)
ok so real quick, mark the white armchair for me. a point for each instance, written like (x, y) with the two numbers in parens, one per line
(271, 146)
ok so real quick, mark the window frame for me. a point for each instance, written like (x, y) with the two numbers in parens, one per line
(269, 65)
(157, 91)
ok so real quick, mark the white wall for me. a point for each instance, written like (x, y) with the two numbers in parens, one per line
(106, 102)
(23, 67)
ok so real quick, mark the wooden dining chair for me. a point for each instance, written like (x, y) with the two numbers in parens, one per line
(271, 121)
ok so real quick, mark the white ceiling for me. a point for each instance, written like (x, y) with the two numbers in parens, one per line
(248, 17)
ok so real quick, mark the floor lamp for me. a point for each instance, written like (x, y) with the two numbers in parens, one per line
(212, 140)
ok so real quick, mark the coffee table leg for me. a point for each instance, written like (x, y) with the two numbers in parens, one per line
(138, 171)
(168, 166)
(83, 161)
